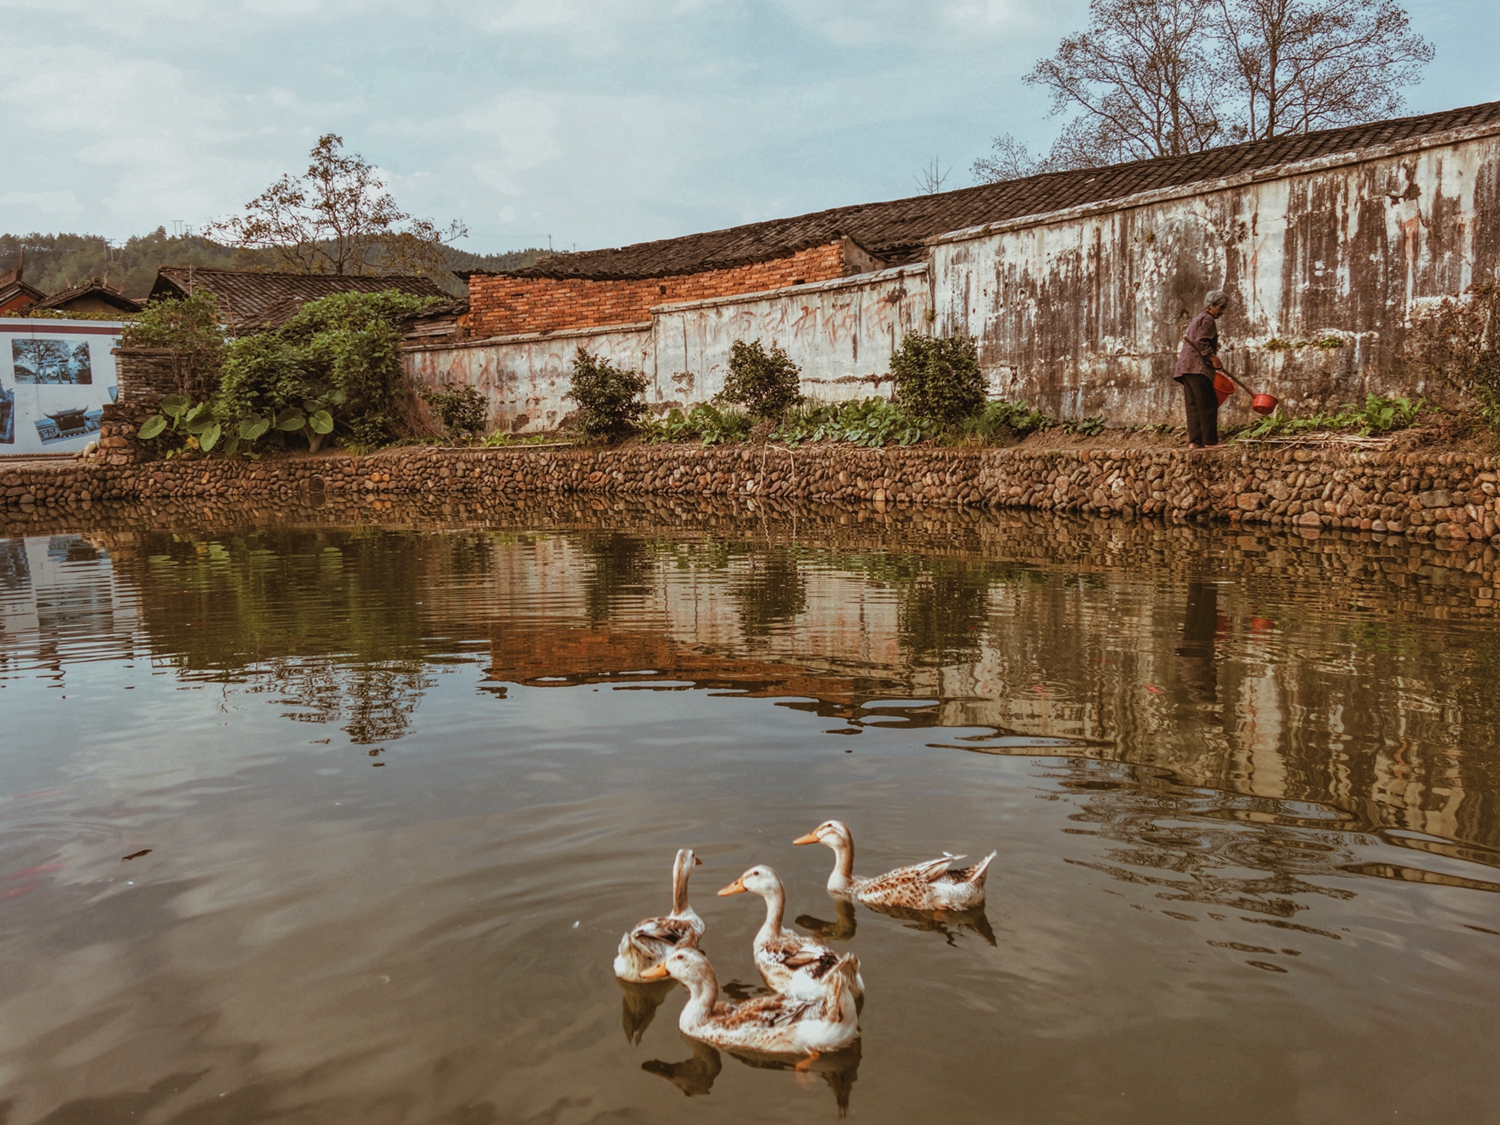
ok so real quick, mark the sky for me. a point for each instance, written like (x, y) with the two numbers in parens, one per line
(588, 123)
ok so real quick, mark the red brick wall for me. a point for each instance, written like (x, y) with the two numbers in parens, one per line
(506, 306)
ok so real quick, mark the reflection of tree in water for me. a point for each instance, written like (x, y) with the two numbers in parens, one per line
(770, 591)
(942, 612)
(328, 621)
(617, 566)
(1198, 846)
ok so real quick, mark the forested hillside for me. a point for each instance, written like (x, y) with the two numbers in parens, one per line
(56, 261)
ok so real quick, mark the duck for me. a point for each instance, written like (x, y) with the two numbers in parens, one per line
(790, 963)
(934, 885)
(650, 940)
(766, 1025)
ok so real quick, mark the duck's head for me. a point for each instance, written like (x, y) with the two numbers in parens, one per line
(685, 965)
(758, 880)
(831, 833)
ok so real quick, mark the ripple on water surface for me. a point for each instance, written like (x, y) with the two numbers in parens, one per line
(330, 824)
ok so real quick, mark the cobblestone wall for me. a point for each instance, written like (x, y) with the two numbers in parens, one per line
(1444, 495)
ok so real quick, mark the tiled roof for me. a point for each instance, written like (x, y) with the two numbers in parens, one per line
(895, 230)
(95, 289)
(253, 302)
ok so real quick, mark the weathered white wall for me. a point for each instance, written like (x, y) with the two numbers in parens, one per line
(1082, 313)
(840, 333)
(525, 377)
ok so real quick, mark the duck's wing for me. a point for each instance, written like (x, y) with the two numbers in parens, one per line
(796, 951)
(678, 933)
(918, 873)
(764, 1012)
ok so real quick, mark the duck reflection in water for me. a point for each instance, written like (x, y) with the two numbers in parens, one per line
(639, 1003)
(945, 922)
(695, 1075)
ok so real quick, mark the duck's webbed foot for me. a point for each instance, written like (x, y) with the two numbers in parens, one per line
(806, 1064)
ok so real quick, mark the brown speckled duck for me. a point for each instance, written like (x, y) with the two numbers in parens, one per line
(934, 885)
(772, 1025)
(652, 939)
(789, 962)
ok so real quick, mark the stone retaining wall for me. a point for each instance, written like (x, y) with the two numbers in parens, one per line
(1447, 495)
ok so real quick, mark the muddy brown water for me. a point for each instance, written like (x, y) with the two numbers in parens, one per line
(310, 823)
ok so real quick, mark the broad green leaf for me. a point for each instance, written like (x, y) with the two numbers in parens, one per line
(247, 428)
(153, 427)
(321, 422)
(198, 412)
(291, 422)
(209, 437)
(175, 403)
(231, 445)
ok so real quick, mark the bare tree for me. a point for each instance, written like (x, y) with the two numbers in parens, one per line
(337, 218)
(932, 178)
(1139, 79)
(1315, 64)
(1009, 159)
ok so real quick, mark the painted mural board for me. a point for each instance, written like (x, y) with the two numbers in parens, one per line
(55, 378)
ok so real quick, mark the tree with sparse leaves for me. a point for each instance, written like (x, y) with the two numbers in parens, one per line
(1151, 78)
(338, 218)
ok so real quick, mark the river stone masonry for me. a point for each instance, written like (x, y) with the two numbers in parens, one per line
(1448, 495)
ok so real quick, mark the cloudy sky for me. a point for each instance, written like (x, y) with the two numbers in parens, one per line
(594, 122)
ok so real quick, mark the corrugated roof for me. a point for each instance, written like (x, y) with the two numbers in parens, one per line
(254, 302)
(896, 230)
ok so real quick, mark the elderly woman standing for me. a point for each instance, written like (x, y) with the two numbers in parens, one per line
(1196, 364)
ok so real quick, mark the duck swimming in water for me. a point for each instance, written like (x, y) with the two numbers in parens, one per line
(652, 939)
(934, 885)
(789, 962)
(772, 1025)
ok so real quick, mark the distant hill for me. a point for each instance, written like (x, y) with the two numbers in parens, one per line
(56, 261)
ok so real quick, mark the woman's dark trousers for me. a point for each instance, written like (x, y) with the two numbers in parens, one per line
(1202, 409)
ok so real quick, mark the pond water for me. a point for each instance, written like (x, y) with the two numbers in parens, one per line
(315, 823)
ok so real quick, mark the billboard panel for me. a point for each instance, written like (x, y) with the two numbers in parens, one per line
(55, 377)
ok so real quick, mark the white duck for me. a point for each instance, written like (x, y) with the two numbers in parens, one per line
(933, 885)
(772, 1025)
(789, 962)
(652, 939)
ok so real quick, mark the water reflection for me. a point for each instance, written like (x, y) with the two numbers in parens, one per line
(1234, 780)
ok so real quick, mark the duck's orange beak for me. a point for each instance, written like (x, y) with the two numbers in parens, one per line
(735, 888)
(810, 838)
(655, 972)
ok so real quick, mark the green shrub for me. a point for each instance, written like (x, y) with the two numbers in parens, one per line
(1458, 343)
(938, 377)
(461, 408)
(767, 384)
(193, 328)
(609, 398)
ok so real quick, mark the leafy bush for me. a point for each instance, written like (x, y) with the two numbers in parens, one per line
(337, 363)
(765, 383)
(1378, 415)
(193, 328)
(461, 408)
(707, 423)
(938, 377)
(609, 399)
(1458, 343)
(873, 423)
